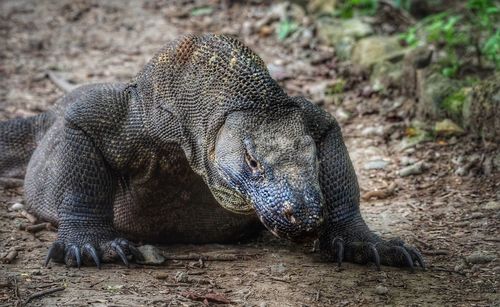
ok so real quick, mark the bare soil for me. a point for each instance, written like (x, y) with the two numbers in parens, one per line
(446, 216)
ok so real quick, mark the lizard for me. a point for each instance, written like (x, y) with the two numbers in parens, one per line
(201, 146)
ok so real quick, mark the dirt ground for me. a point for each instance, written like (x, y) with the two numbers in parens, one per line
(448, 217)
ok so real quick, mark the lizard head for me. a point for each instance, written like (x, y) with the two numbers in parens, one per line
(270, 163)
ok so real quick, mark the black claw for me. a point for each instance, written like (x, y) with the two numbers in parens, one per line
(53, 250)
(376, 256)
(418, 257)
(339, 243)
(93, 253)
(73, 249)
(135, 252)
(409, 260)
(118, 249)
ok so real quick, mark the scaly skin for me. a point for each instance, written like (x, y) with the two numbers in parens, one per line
(198, 148)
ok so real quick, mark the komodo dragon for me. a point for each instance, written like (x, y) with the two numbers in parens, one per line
(198, 148)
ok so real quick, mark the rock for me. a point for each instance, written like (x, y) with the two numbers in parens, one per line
(16, 207)
(496, 161)
(414, 169)
(342, 34)
(321, 6)
(375, 164)
(343, 48)
(480, 258)
(481, 109)
(492, 205)
(181, 277)
(278, 269)
(373, 131)
(381, 290)
(342, 115)
(405, 161)
(460, 267)
(447, 127)
(151, 254)
(413, 62)
(433, 89)
(376, 49)
(386, 75)
(319, 91)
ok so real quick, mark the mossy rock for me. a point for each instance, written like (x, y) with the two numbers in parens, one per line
(481, 109)
(376, 49)
(433, 89)
(386, 75)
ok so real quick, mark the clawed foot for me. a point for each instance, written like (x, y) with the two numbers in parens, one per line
(391, 253)
(76, 254)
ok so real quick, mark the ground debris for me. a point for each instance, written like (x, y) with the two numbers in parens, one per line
(210, 297)
(380, 194)
(37, 227)
(10, 256)
(31, 218)
(414, 169)
(10, 183)
(480, 258)
(42, 293)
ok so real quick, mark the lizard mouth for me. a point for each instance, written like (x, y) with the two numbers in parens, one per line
(297, 229)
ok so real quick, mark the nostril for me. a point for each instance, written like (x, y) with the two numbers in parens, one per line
(288, 213)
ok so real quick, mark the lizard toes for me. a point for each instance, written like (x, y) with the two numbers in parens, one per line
(73, 256)
(56, 252)
(338, 246)
(90, 250)
(122, 249)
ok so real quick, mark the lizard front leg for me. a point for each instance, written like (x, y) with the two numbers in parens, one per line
(344, 234)
(85, 187)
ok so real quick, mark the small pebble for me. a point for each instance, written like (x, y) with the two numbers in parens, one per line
(16, 207)
(479, 258)
(278, 268)
(405, 161)
(414, 169)
(373, 131)
(375, 164)
(181, 277)
(492, 205)
(151, 254)
(381, 290)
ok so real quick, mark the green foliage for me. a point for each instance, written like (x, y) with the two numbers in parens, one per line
(348, 8)
(454, 103)
(452, 32)
(402, 4)
(285, 28)
(202, 10)
(491, 49)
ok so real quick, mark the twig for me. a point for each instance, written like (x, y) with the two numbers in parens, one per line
(279, 279)
(380, 194)
(11, 255)
(29, 216)
(16, 291)
(9, 183)
(216, 257)
(37, 227)
(42, 293)
(62, 84)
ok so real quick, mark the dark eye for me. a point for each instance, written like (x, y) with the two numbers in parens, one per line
(252, 163)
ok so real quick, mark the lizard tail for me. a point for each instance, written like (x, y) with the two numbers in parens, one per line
(18, 140)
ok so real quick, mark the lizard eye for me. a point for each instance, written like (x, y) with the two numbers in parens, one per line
(252, 163)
